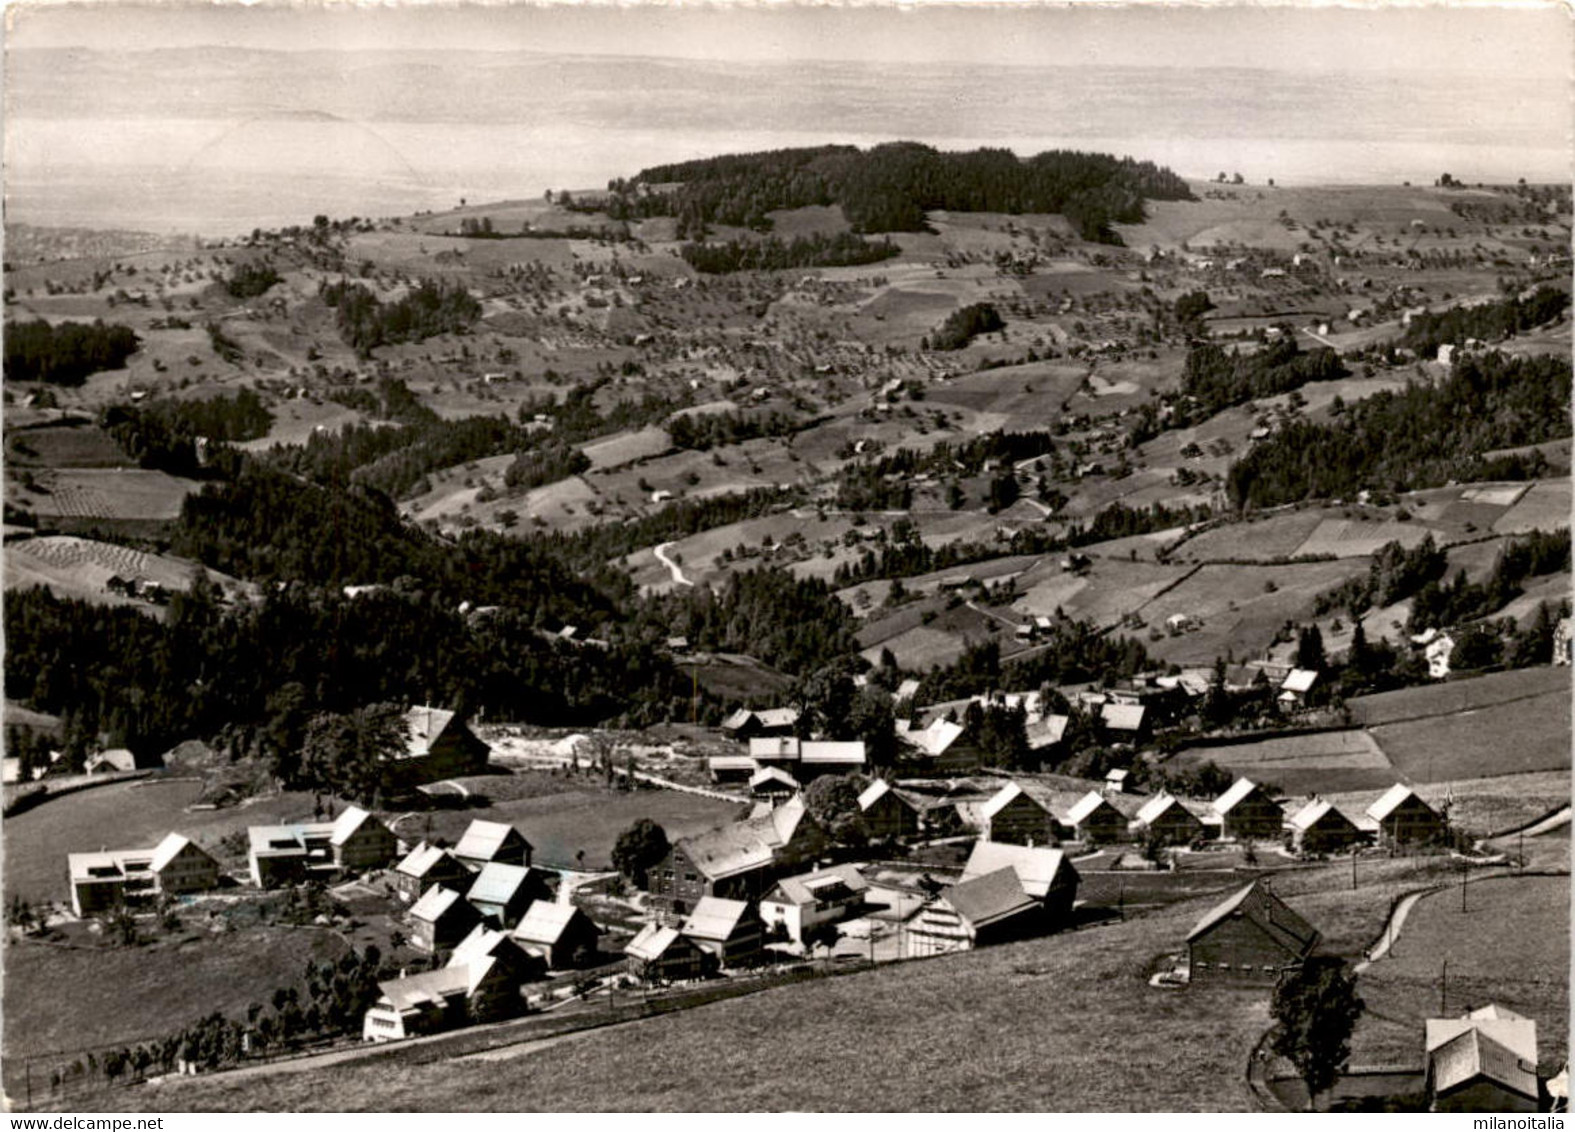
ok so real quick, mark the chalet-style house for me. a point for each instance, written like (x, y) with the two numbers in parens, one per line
(1404, 819)
(1253, 936)
(1320, 827)
(1094, 821)
(425, 866)
(1016, 816)
(440, 919)
(1297, 687)
(942, 747)
(104, 880)
(1124, 723)
(560, 934)
(662, 955)
(993, 908)
(1046, 874)
(738, 861)
(438, 745)
(486, 842)
(1168, 820)
(886, 813)
(802, 903)
(730, 930)
(355, 841)
(773, 784)
(502, 893)
(481, 983)
(745, 724)
(1484, 1061)
(1247, 813)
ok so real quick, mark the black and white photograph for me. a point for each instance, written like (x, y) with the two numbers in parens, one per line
(786, 558)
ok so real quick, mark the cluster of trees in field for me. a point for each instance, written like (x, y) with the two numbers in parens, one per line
(1489, 322)
(67, 353)
(547, 463)
(1394, 574)
(163, 434)
(1422, 436)
(963, 326)
(433, 307)
(890, 187)
(1216, 380)
(248, 280)
(702, 431)
(1438, 604)
(773, 254)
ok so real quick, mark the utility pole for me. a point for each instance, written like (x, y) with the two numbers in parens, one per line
(1465, 875)
(1443, 990)
(1353, 868)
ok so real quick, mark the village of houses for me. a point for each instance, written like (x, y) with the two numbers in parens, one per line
(950, 858)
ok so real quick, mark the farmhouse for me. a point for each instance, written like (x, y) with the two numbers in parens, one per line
(1404, 819)
(424, 866)
(807, 758)
(1247, 813)
(992, 908)
(1094, 821)
(501, 893)
(943, 747)
(438, 745)
(731, 930)
(660, 955)
(284, 854)
(560, 934)
(773, 783)
(484, 842)
(1253, 936)
(1016, 816)
(746, 724)
(489, 943)
(441, 918)
(1319, 827)
(732, 768)
(1165, 818)
(887, 813)
(1484, 1061)
(104, 880)
(738, 861)
(802, 903)
(1045, 874)
(481, 990)
(1046, 734)
(1297, 686)
(1243, 678)
(1124, 723)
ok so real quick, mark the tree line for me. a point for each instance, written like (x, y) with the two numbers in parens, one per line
(1217, 380)
(67, 353)
(774, 254)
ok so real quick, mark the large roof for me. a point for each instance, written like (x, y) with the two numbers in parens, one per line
(1513, 1031)
(1084, 807)
(652, 942)
(424, 725)
(1391, 800)
(431, 989)
(1239, 791)
(772, 774)
(1269, 912)
(733, 849)
(1122, 717)
(1046, 732)
(435, 903)
(1300, 680)
(169, 849)
(1037, 869)
(106, 866)
(826, 752)
(482, 942)
(1471, 1054)
(715, 918)
(545, 922)
(810, 888)
(1004, 797)
(420, 860)
(777, 716)
(936, 739)
(483, 839)
(988, 899)
(497, 883)
(1157, 806)
(347, 823)
(1314, 812)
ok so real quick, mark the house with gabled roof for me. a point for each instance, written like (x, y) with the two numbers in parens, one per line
(1404, 819)
(438, 745)
(1483, 1061)
(1016, 816)
(941, 747)
(731, 930)
(1046, 874)
(1320, 827)
(1248, 813)
(561, 934)
(1297, 686)
(424, 866)
(991, 908)
(802, 903)
(1124, 723)
(492, 943)
(662, 955)
(110, 878)
(1168, 820)
(1094, 821)
(886, 812)
(483, 989)
(501, 893)
(355, 841)
(1251, 936)
(773, 782)
(484, 842)
(360, 842)
(440, 919)
(1244, 678)
(738, 861)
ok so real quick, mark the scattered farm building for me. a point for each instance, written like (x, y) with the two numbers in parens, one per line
(438, 745)
(1404, 819)
(482, 990)
(1015, 816)
(560, 934)
(993, 908)
(1094, 821)
(739, 861)
(746, 724)
(731, 930)
(1297, 686)
(111, 761)
(1253, 936)
(802, 903)
(1167, 819)
(1124, 723)
(104, 880)
(773, 783)
(942, 747)
(1247, 813)
(488, 842)
(886, 813)
(1484, 1061)
(1046, 875)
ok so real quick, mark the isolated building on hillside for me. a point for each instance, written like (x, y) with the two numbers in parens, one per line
(992, 908)
(111, 761)
(731, 930)
(886, 813)
(1094, 821)
(440, 919)
(1320, 827)
(1484, 1061)
(1165, 818)
(438, 745)
(425, 866)
(486, 842)
(1404, 819)
(501, 893)
(561, 934)
(1253, 936)
(802, 903)
(1248, 813)
(663, 955)
(1015, 816)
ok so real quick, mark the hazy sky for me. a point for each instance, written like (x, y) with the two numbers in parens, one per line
(1528, 39)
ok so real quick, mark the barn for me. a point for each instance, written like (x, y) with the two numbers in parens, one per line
(1013, 815)
(1484, 1061)
(661, 955)
(1094, 821)
(484, 842)
(1169, 821)
(1252, 937)
(1320, 827)
(560, 934)
(886, 813)
(731, 930)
